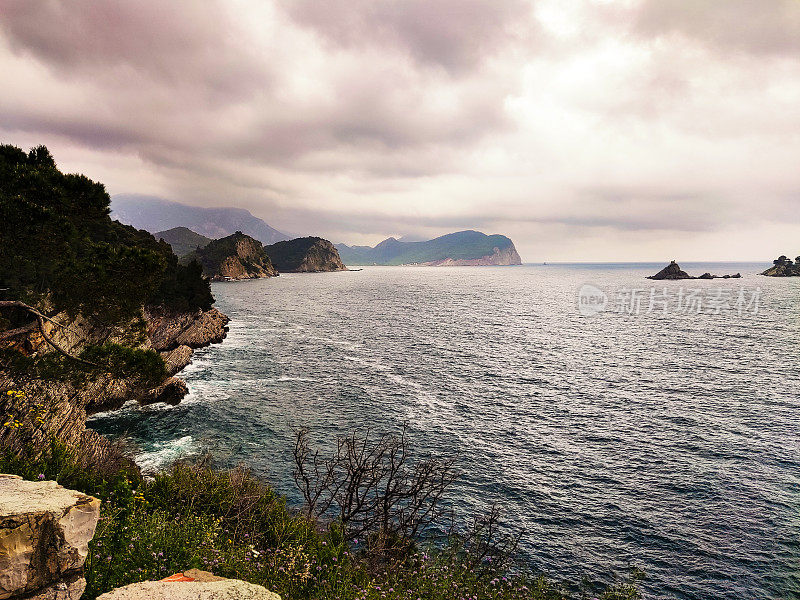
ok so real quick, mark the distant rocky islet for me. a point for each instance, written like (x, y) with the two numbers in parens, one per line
(781, 267)
(673, 271)
(784, 267)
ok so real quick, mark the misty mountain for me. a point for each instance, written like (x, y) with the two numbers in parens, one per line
(453, 249)
(155, 215)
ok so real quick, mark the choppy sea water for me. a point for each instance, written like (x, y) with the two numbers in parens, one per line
(662, 433)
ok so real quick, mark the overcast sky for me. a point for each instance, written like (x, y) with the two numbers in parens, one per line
(585, 130)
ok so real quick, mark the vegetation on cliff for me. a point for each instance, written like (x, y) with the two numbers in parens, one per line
(61, 254)
(784, 267)
(463, 247)
(61, 249)
(81, 299)
(183, 240)
(305, 255)
(237, 256)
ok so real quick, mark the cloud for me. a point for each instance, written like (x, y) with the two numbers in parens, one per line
(762, 28)
(166, 41)
(456, 35)
(566, 123)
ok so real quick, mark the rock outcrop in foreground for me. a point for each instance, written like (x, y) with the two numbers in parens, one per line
(784, 267)
(235, 257)
(674, 271)
(191, 585)
(45, 532)
(305, 255)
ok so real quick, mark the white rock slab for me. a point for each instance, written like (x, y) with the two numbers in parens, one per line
(225, 589)
(45, 531)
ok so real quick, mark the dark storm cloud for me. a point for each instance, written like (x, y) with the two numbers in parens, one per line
(169, 41)
(172, 75)
(455, 34)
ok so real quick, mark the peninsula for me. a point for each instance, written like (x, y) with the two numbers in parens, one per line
(463, 248)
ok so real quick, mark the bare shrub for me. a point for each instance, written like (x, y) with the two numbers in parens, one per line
(486, 546)
(373, 488)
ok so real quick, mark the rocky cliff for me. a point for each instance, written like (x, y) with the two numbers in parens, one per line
(499, 257)
(235, 257)
(305, 255)
(57, 407)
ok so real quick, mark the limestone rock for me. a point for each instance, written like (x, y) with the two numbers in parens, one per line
(237, 256)
(191, 585)
(171, 392)
(175, 360)
(67, 403)
(45, 531)
(167, 331)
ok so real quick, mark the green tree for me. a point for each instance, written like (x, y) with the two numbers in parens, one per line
(60, 250)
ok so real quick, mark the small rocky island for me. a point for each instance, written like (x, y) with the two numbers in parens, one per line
(674, 271)
(305, 255)
(784, 267)
(237, 256)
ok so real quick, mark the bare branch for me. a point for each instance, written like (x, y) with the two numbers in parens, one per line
(40, 317)
(374, 489)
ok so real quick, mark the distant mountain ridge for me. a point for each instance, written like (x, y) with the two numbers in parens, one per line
(463, 248)
(157, 215)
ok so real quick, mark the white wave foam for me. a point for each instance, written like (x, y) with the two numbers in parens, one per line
(165, 454)
(129, 405)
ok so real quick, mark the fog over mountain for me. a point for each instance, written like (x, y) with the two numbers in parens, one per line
(157, 215)
(582, 129)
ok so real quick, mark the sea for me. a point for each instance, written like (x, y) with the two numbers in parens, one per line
(618, 422)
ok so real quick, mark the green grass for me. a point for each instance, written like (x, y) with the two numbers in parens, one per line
(235, 525)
